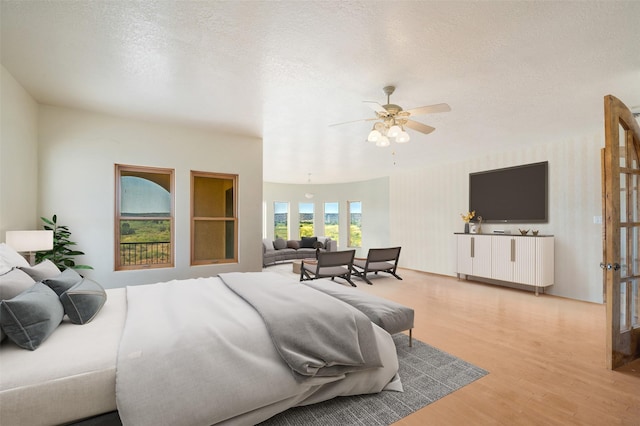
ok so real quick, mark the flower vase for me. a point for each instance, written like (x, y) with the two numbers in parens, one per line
(466, 227)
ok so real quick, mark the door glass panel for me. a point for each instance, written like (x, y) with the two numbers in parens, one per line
(623, 306)
(633, 250)
(635, 304)
(633, 199)
(623, 197)
(624, 267)
(623, 146)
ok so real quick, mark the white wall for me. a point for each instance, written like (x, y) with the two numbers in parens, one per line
(374, 195)
(78, 151)
(18, 157)
(426, 206)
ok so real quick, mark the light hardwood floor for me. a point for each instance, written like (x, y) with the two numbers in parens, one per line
(545, 355)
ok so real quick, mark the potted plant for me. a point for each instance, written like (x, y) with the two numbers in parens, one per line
(61, 254)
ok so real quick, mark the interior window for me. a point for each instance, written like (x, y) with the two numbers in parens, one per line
(306, 219)
(355, 224)
(281, 220)
(332, 220)
(214, 218)
(144, 217)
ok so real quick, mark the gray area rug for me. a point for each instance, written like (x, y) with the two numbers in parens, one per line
(427, 375)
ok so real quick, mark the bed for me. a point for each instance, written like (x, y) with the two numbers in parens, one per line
(199, 351)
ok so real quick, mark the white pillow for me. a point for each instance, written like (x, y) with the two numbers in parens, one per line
(9, 258)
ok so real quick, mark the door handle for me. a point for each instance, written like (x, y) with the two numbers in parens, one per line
(615, 266)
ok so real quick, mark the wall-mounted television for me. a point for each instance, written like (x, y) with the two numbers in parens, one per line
(510, 195)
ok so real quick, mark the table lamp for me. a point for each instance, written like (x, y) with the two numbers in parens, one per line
(30, 242)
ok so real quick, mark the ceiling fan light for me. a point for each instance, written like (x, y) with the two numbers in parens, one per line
(384, 141)
(403, 137)
(374, 136)
(394, 131)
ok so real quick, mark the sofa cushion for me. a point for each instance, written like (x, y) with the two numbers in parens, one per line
(267, 244)
(280, 244)
(307, 242)
(293, 244)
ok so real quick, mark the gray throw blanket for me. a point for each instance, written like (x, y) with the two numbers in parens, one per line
(316, 334)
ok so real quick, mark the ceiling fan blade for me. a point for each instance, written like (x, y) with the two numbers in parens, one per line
(353, 121)
(422, 128)
(429, 109)
(376, 107)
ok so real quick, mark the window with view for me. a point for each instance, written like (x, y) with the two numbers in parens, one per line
(281, 220)
(214, 218)
(355, 224)
(331, 220)
(306, 219)
(144, 217)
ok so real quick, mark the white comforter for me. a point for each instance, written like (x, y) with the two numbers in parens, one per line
(194, 353)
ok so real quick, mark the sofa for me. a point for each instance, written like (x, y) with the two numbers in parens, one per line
(281, 250)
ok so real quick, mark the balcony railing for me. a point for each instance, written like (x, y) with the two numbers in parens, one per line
(145, 253)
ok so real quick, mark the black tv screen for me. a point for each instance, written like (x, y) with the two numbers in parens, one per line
(510, 195)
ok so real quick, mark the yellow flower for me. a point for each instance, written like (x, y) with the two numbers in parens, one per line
(467, 217)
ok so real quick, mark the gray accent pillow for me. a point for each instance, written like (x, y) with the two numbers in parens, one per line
(43, 270)
(12, 284)
(293, 244)
(64, 281)
(280, 244)
(307, 242)
(29, 318)
(83, 301)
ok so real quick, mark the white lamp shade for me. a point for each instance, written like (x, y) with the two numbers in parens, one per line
(27, 241)
(403, 137)
(394, 131)
(374, 136)
(384, 141)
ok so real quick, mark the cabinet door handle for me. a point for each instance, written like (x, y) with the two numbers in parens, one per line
(513, 250)
(473, 246)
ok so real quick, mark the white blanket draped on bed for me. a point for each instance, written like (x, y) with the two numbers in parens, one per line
(194, 353)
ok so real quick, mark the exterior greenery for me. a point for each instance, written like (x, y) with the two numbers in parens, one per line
(61, 254)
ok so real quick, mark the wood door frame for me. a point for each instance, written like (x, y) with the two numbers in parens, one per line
(616, 115)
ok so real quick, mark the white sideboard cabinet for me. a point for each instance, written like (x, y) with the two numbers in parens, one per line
(512, 258)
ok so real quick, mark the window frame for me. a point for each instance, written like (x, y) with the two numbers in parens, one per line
(313, 218)
(275, 236)
(349, 213)
(193, 219)
(324, 219)
(119, 168)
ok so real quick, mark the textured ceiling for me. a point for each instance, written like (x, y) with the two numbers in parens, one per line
(514, 73)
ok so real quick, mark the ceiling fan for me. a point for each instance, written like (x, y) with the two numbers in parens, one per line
(391, 120)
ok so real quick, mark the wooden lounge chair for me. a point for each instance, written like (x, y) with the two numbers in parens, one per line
(378, 260)
(330, 264)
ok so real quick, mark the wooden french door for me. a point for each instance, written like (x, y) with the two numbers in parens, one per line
(621, 242)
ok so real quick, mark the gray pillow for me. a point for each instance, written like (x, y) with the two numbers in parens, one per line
(64, 281)
(43, 270)
(293, 244)
(83, 301)
(29, 318)
(308, 242)
(12, 284)
(280, 244)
